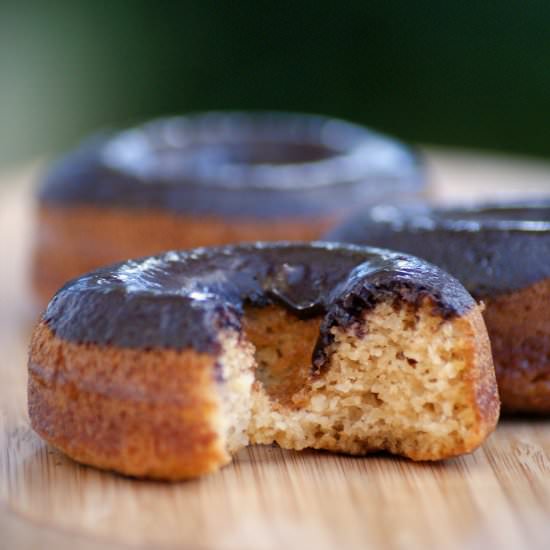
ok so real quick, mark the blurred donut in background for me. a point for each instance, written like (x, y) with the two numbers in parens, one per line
(499, 252)
(210, 179)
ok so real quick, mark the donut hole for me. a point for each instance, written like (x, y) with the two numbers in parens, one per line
(283, 348)
(259, 152)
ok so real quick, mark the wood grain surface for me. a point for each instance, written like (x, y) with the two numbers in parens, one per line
(498, 497)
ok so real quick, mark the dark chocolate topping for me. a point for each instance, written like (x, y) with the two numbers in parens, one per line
(491, 249)
(236, 164)
(182, 299)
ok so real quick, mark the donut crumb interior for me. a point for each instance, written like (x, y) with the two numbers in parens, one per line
(396, 381)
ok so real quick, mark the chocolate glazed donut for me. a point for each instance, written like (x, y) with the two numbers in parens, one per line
(501, 254)
(166, 366)
(209, 179)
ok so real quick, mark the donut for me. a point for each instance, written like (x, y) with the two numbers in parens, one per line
(500, 254)
(164, 367)
(209, 179)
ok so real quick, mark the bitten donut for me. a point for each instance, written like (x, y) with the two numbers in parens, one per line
(166, 366)
(207, 180)
(501, 254)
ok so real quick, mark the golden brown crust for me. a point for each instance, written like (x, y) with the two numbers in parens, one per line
(481, 377)
(148, 413)
(519, 327)
(73, 240)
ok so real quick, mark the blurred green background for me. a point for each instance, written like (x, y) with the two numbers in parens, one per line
(473, 74)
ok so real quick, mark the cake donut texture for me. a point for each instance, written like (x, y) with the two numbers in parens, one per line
(501, 254)
(165, 367)
(207, 180)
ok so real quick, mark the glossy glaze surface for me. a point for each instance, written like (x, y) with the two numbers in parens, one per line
(183, 299)
(236, 164)
(491, 249)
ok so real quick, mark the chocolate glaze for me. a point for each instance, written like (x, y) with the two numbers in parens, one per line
(234, 164)
(492, 249)
(182, 299)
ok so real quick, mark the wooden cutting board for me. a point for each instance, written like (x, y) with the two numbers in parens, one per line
(498, 497)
